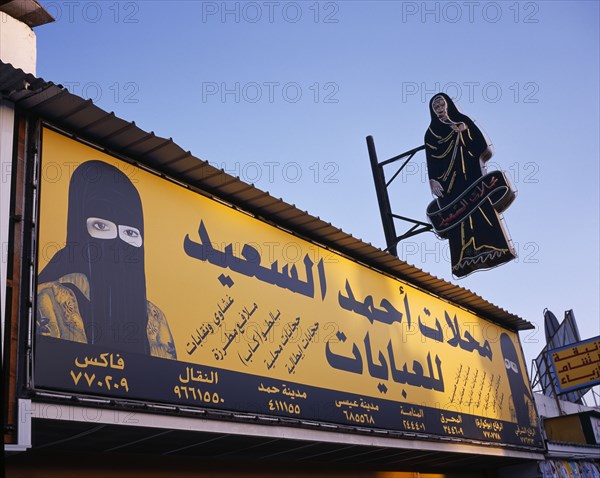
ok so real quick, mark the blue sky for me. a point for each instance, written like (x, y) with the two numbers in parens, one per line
(283, 94)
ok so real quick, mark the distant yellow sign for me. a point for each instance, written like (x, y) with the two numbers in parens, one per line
(205, 305)
(577, 365)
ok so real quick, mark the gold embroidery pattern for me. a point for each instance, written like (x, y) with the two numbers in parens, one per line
(58, 316)
(159, 334)
(58, 313)
(477, 254)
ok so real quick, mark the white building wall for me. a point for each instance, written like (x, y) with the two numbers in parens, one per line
(548, 408)
(17, 44)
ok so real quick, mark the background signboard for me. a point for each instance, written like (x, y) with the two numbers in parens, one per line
(557, 336)
(576, 366)
(237, 314)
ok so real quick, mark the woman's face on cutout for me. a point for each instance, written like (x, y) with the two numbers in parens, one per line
(440, 107)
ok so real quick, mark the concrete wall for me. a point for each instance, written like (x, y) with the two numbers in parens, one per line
(17, 44)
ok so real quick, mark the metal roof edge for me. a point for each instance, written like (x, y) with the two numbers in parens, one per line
(29, 12)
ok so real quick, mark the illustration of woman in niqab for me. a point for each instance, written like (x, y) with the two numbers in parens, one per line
(94, 289)
(522, 403)
(456, 153)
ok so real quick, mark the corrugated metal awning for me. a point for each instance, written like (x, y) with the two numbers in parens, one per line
(62, 444)
(54, 104)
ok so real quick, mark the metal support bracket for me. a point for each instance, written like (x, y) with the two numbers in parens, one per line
(385, 209)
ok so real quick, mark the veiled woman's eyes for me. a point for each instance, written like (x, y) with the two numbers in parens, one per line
(101, 228)
(131, 235)
(131, 232)
(105, 229)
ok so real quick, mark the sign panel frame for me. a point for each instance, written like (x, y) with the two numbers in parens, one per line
(239, 315)
(569, 356)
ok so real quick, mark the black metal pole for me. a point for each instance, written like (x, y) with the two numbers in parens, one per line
(383, 199)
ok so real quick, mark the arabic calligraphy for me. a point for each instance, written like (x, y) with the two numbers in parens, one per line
(486, 424)
(250, 264)
(234, 335)
(277, 343)
(476, 389)
(412, 412)
(105, 360)
(575, 352)
(480, 388)
(199, 376)
(416, 377)
(578, 366)
(467, 343)
(452, 425)
(291, 394)
(459, 208)
(278, 405)
(369, 406)
(495, 400)
(493, 185)
(206, 329)
(358, 410)
(97, 378)
(388, 314)
(525, 431)
(295, 357)
(457, 419)
(526, 435)
(256, 335)
(288, 333)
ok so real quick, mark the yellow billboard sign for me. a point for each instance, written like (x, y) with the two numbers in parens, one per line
(577, 365)
(150, 291)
